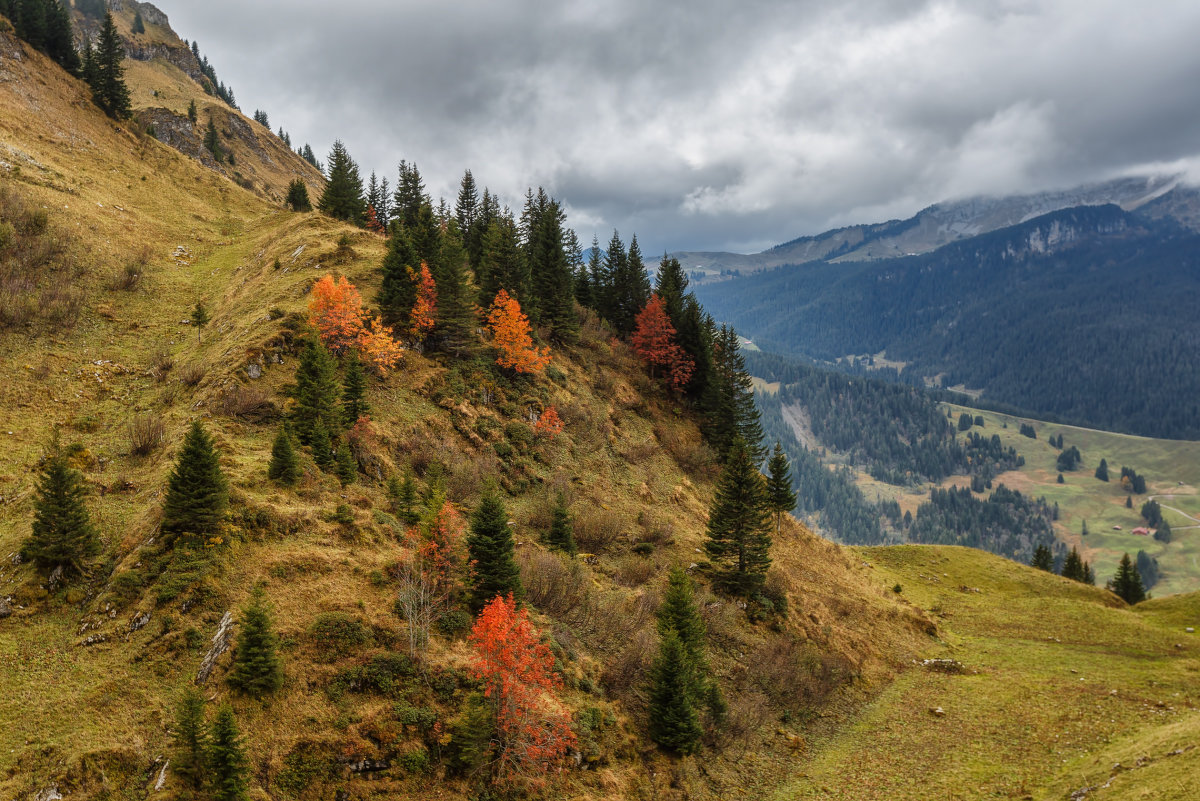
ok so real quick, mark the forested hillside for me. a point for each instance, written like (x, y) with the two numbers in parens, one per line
(1083, 314)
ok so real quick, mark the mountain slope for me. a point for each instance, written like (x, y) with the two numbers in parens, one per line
(1084, 314)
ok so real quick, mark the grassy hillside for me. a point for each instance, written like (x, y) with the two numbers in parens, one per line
(1056, 683)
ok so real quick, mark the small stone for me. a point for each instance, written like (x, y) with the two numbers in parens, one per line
(254, 370)
(1189, 629)
(937, 712)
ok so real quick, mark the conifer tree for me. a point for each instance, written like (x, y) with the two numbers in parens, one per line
(454, 329)
(467, 213)
(285, 465)
(502, 263)
(612, 270)
(139, 26)
(192, 114)
(671, 285)
(199, 318)
(403, 495)
(409, 196)
(256, 668)
(87, 67)
(1073, 566)
(316, 393)
(60, 37)
(739, 537)
(190, 739)
(1088, 576)
(322, 446)
(1127, 583)
(227, 762)
(346, 466)
(674, 724)
(297, 196)
(1043, 559)
(63, 534)
(678, 614)
(490, 546)
(197, 494)
(108, 87)
(397, 291)
(354, 391)
(553, 290)
(597, 284)
(781, 496)
(630, 288)
(733, 414)
(343, 195)
(561, 536)
(212, 141)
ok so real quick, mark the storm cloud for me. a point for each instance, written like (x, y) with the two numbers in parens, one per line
(717, 125)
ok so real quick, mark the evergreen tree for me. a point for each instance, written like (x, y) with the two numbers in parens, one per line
(60, 37)
(630, 289)
(490, 545)
(197, 494)
(1043, 559)
(671, 285)
(1088, 576)
(398, 290)
(212, 141)
(502, 263)
(316, 393)
(199, 318)
(1128, 501)
(561, 537)
(322, 446)
(87, 69)
(739, 537)
(63, 534)
(227, 762)
(346, 466)
(597, 283)
(553, 298)
(409, 196)
(734, 413)
(1127, 583)
(190, 739)
(454, 329)
(285, 465)
(297, 196)
(467, 213)
(674, 724)
(139, 26)
(1102, 470)
(354, 391)
(256, 668)
(403, 495)
(343, 195)
(109, 89)
(192, 114)
(612, 269)
(1073, 566)
(678, 615)
(781, 496)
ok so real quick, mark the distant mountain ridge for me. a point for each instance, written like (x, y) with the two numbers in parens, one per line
(945, 223)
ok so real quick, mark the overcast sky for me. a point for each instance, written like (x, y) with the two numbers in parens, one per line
(706, 125)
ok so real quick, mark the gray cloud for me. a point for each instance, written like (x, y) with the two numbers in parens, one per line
(706, 124)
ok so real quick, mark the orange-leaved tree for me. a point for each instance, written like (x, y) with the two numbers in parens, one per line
(428, 582)
(548, 422)
(533, 729)
(424, 310)
(378, 346)
(654, 341)
(335, 310)
(373, 223)
(510, 335)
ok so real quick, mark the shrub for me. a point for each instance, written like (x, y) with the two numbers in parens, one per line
(337, 634)
(192, 374)
(247, 403)
(596, 529)
(146, 433)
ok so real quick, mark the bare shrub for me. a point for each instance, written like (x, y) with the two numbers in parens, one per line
(192, 374)
(632, 570)
(247, 403)
(36, 269)
(556, 584)
(160, 364)
(627, 672)
(129, 278)
(597, 529)
(146, 433)
(638, 452)
(61, 304)
(797, 675)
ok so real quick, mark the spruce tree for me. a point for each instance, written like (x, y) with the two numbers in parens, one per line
(1073, 566)
(467, 213)
(316, 393)
(109, 89)
(739, 538)
(454, 329)
(192, 114)
(285, 465)
(63, 534)
(346, 466)
(1127, 583)
(212, 141)
(354, 391)
(199, 319)
(403, 495)
(343, 195)
(227, 762)
(139, 26)
(87, 67)
(678, 614)
(1102, 470)
(490, 547)
(781, 497)
(322, 446)
(612, 270)
(733, 414)
(674, 724)
(502, 263)
(398, 290)
(256, 668)
(60, 37)
(561, 536)
(190, 739)
(1043, 559)
(297, 196)
(197, 494)
(671, 285)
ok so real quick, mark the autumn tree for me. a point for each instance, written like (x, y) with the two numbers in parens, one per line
(424, 308)
(548, 424)
(654, 341)
(373, 224)
(335, 311)
(427, 583)
(532, 728)
(510, 336)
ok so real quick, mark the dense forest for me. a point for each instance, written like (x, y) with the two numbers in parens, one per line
(1081, 315)
(1006, 522)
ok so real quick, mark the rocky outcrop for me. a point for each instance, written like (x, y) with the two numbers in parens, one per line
(221, 642)
(178, 132)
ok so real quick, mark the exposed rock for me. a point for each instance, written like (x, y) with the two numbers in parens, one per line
(944, 665)
(177, 131)
(368, 765)
(55, 579)
(937, 712)
(139, 622)
(254, 370)
(162, 777)
(93, 639)
(50, 793)
(220, 644)
(5, 607)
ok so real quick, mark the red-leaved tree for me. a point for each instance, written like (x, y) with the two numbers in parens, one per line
(373, 223)
(548, 423)
(654, 341)
(510, 336)
(424, 310)
(335, 310)
(533, 729)
(428, 582)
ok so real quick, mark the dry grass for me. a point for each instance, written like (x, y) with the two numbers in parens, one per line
(146, 433)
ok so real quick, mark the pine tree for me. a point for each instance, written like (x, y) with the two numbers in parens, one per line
(1102, 470)
(316, 393)
(256, 668)
(398, 292)
(227, 762)
(733, 413)
(87, 69)
(502, 263)
(612, 270)
(454, 329)
(285, 465)
(1073, 566)
(63, 534)
(322, 447)
(354, 391)
(212, 141)
(671, 285)
(403, 495)
(490, 546)
(109, 89)
(60, 37)
(346, 466)
(678, 615)
(190, 739)
(1127, 583)
(674, 724)
(739, 537)
(630, 288)
(561, 536)
(1043, 559)
(467, 213)
(297, 196)
(139, 26)
(343, 195)
(199, 318)
(197, 493)
(192, 114)
(781, 497)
